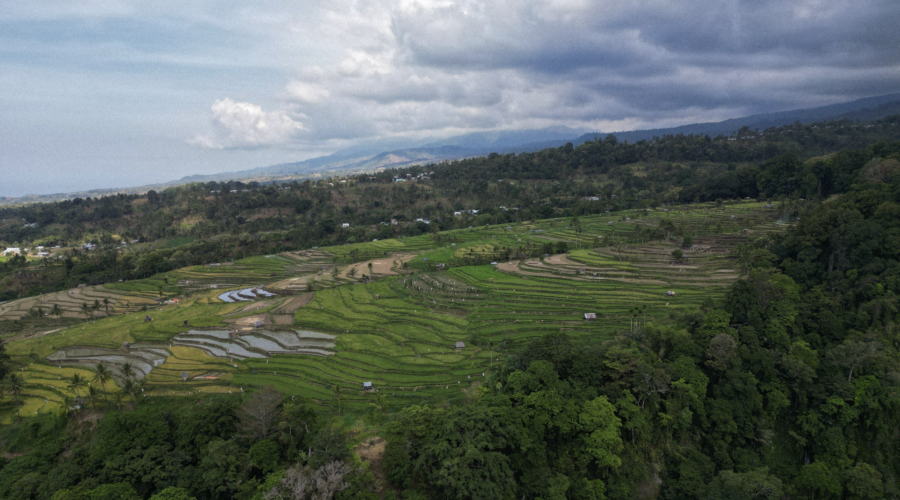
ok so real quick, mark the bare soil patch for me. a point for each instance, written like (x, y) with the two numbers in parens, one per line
(372, 451)
(283, 319)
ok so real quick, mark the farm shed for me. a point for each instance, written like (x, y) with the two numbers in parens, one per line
(670, 293)
(590, 316)
(367, 386)
(460, 345)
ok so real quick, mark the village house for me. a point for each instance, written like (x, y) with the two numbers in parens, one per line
(12, 251)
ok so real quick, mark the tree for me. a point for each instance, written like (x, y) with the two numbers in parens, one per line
(172, 493)
(76, 383)
(466, 454)
(854, 355)
(93, 394)
(15, 384)
(754, 485)
(223, 469)
(351, 272)
(863, 482)
(56, 311)
(102, 375)
(677, 254)
(601, 426)
(336, 396)
(86, 310)
(380, 402)
(258, 414)
(106, 304)
(818, 481)
(127, 371)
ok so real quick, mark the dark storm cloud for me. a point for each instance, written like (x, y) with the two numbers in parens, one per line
(665, 56)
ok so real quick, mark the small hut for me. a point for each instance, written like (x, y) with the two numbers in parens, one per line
(590, 316)
(670, 293)
(367, 386)
(460, 345)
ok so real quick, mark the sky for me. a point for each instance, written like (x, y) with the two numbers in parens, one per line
(120, 93)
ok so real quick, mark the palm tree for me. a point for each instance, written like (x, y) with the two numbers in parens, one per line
(86, 310)
(102, 375)
(106, 304)
(336, 394)
(93, 395)
(128, 387)
(117, 397)
(96, 306)
(77, 382)
(15, 384)
(56, 311)
(127, 371)
(380, 403)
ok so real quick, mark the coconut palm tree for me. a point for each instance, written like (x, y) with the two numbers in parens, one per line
(76, 383)
(33, 313)
(102, 375)
(86, 310)
(336, 395)
(56, 311)
(117, 397)
(96, 306)
(93, 394)
(15, 384)
(127, 371)
(106, 305)
(380, 404)
(128, 387)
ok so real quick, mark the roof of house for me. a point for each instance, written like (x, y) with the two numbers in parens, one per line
(460, 345)
(590, 315)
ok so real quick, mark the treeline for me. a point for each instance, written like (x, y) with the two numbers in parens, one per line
(231, 220)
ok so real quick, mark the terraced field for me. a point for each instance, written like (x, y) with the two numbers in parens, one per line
(398, 331)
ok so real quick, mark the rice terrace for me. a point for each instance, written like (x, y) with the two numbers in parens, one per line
(422, 319)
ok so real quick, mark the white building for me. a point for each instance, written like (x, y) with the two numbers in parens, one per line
(345, 225)
(12, 251)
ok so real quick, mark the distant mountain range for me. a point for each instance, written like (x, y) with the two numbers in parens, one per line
(381, 155)
(866, 109)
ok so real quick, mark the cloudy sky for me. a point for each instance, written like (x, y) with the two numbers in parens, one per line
(112, 93)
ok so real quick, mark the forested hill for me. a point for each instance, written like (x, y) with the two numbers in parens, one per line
(208, 222)
(788, 388)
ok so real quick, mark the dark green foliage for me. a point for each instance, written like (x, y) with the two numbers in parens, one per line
(178, 449)
(172, 493)
(787, 387)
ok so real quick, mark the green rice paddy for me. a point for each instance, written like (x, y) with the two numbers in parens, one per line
(400, 332)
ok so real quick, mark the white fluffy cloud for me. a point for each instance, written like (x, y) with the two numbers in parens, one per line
(245, 125)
